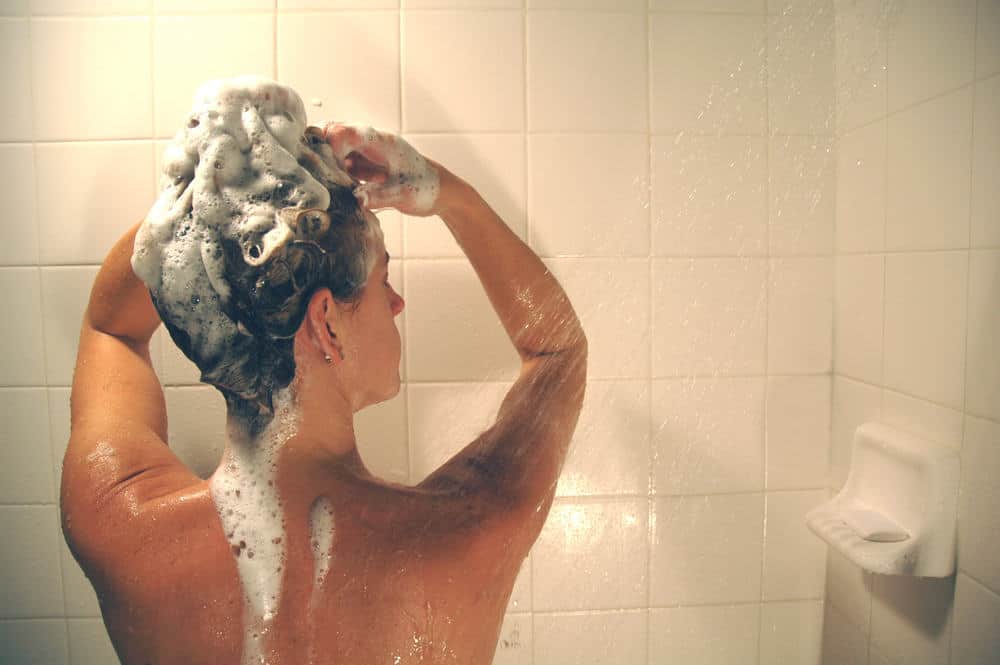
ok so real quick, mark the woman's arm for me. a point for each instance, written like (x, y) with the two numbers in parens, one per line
(119, 302)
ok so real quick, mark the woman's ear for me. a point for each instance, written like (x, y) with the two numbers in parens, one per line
(323, 319)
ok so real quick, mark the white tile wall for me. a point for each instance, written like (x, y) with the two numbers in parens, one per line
(691, 634)
(985, 163)
(15, 70)
(26, 468)
(34, 642)
(19, 236)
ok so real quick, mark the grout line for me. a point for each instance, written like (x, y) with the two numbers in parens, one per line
(767, 331)
(651, 445)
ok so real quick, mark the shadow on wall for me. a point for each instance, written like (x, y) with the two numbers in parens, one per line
(924, 603)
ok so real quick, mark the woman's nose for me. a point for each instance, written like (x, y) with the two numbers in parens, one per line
(397, 303)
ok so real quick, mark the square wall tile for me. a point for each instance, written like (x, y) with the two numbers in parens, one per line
(65, 296)
(709, 195)
(196, 421)
(586, 72)
(610, 449)
(975, 640)
(591, 638)
(195, 6)
(854, 404)
(800, 83)
(708, 435)
(14, 8)
(988, 39)
(25, 454)
(454, 4)
(34, 642)
(931, 48)
(861, 190)
(861, 29)
(55, 7)
(81, 600)
(925, 323)
(493, 164)
(592, 555)
(31, 585)
(982, 382)
(611, 299)
(857, 316)
(89, 642)
(803, 194)
(722, 6)
(577, 209)
(445, 418)
(15, 72)
(986, 161)
(515, 644)
(234, 45)
(923, 419)
(798, 432)
(800, 316)
(928, 174)
(708, 74)
(100, 68)
(104, 189)
(794, 558)
(338, 4)
(693, 634)
(20, 291)
(912, 618)
(59, 429)
(452, 331)
(474, 48)
(368, 94)
(849, 589)
(800, 7)
(382, 439)
(791, 633)
(18, 239)
(708, 316)
(843, 642)
(979, 502)
(706, 549)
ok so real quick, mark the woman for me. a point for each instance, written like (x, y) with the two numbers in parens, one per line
(293, 552)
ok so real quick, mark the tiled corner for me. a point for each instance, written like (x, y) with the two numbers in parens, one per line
(65, 295)
(979, 502)
(982, 376)
(382, 439)
(15, 72)
(34, 642)
(843, 642)
(849, 589)
(858, 316)
(986, 161)
(974, 639)
(707, 435)
(196, 418)
(917, 72)
(861, 184)
(444, 47)
(802, 187)
(20, 291)
(368, 94)
(794, 558)
(586, 72)
(19, 237)
(800, 87)
(452, 332)
(709, 195)
(912, 618)
(31, 584)
(515, 645)
(609, 453)
(859, 63)
(800, 316)
(925, 325)
(611, 299)
(708, 74)
(592, 554)
(708, 316)
(104, 189)
(854, 404)
(693, 634)
(493, 164)
(233, 45)
(25, 454)
(791, 632)
(614, 222)
(444, 418)
(107, 59)
(706, 549)
(89, 643)
(591, 638)
(928, 185)
(922, 418)
(797, 432)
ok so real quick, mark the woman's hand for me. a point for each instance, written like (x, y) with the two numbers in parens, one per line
(394, 174)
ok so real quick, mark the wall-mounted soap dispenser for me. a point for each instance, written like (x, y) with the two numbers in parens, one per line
(896, 514)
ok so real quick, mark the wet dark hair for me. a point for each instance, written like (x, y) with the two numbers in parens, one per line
(267, 302)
